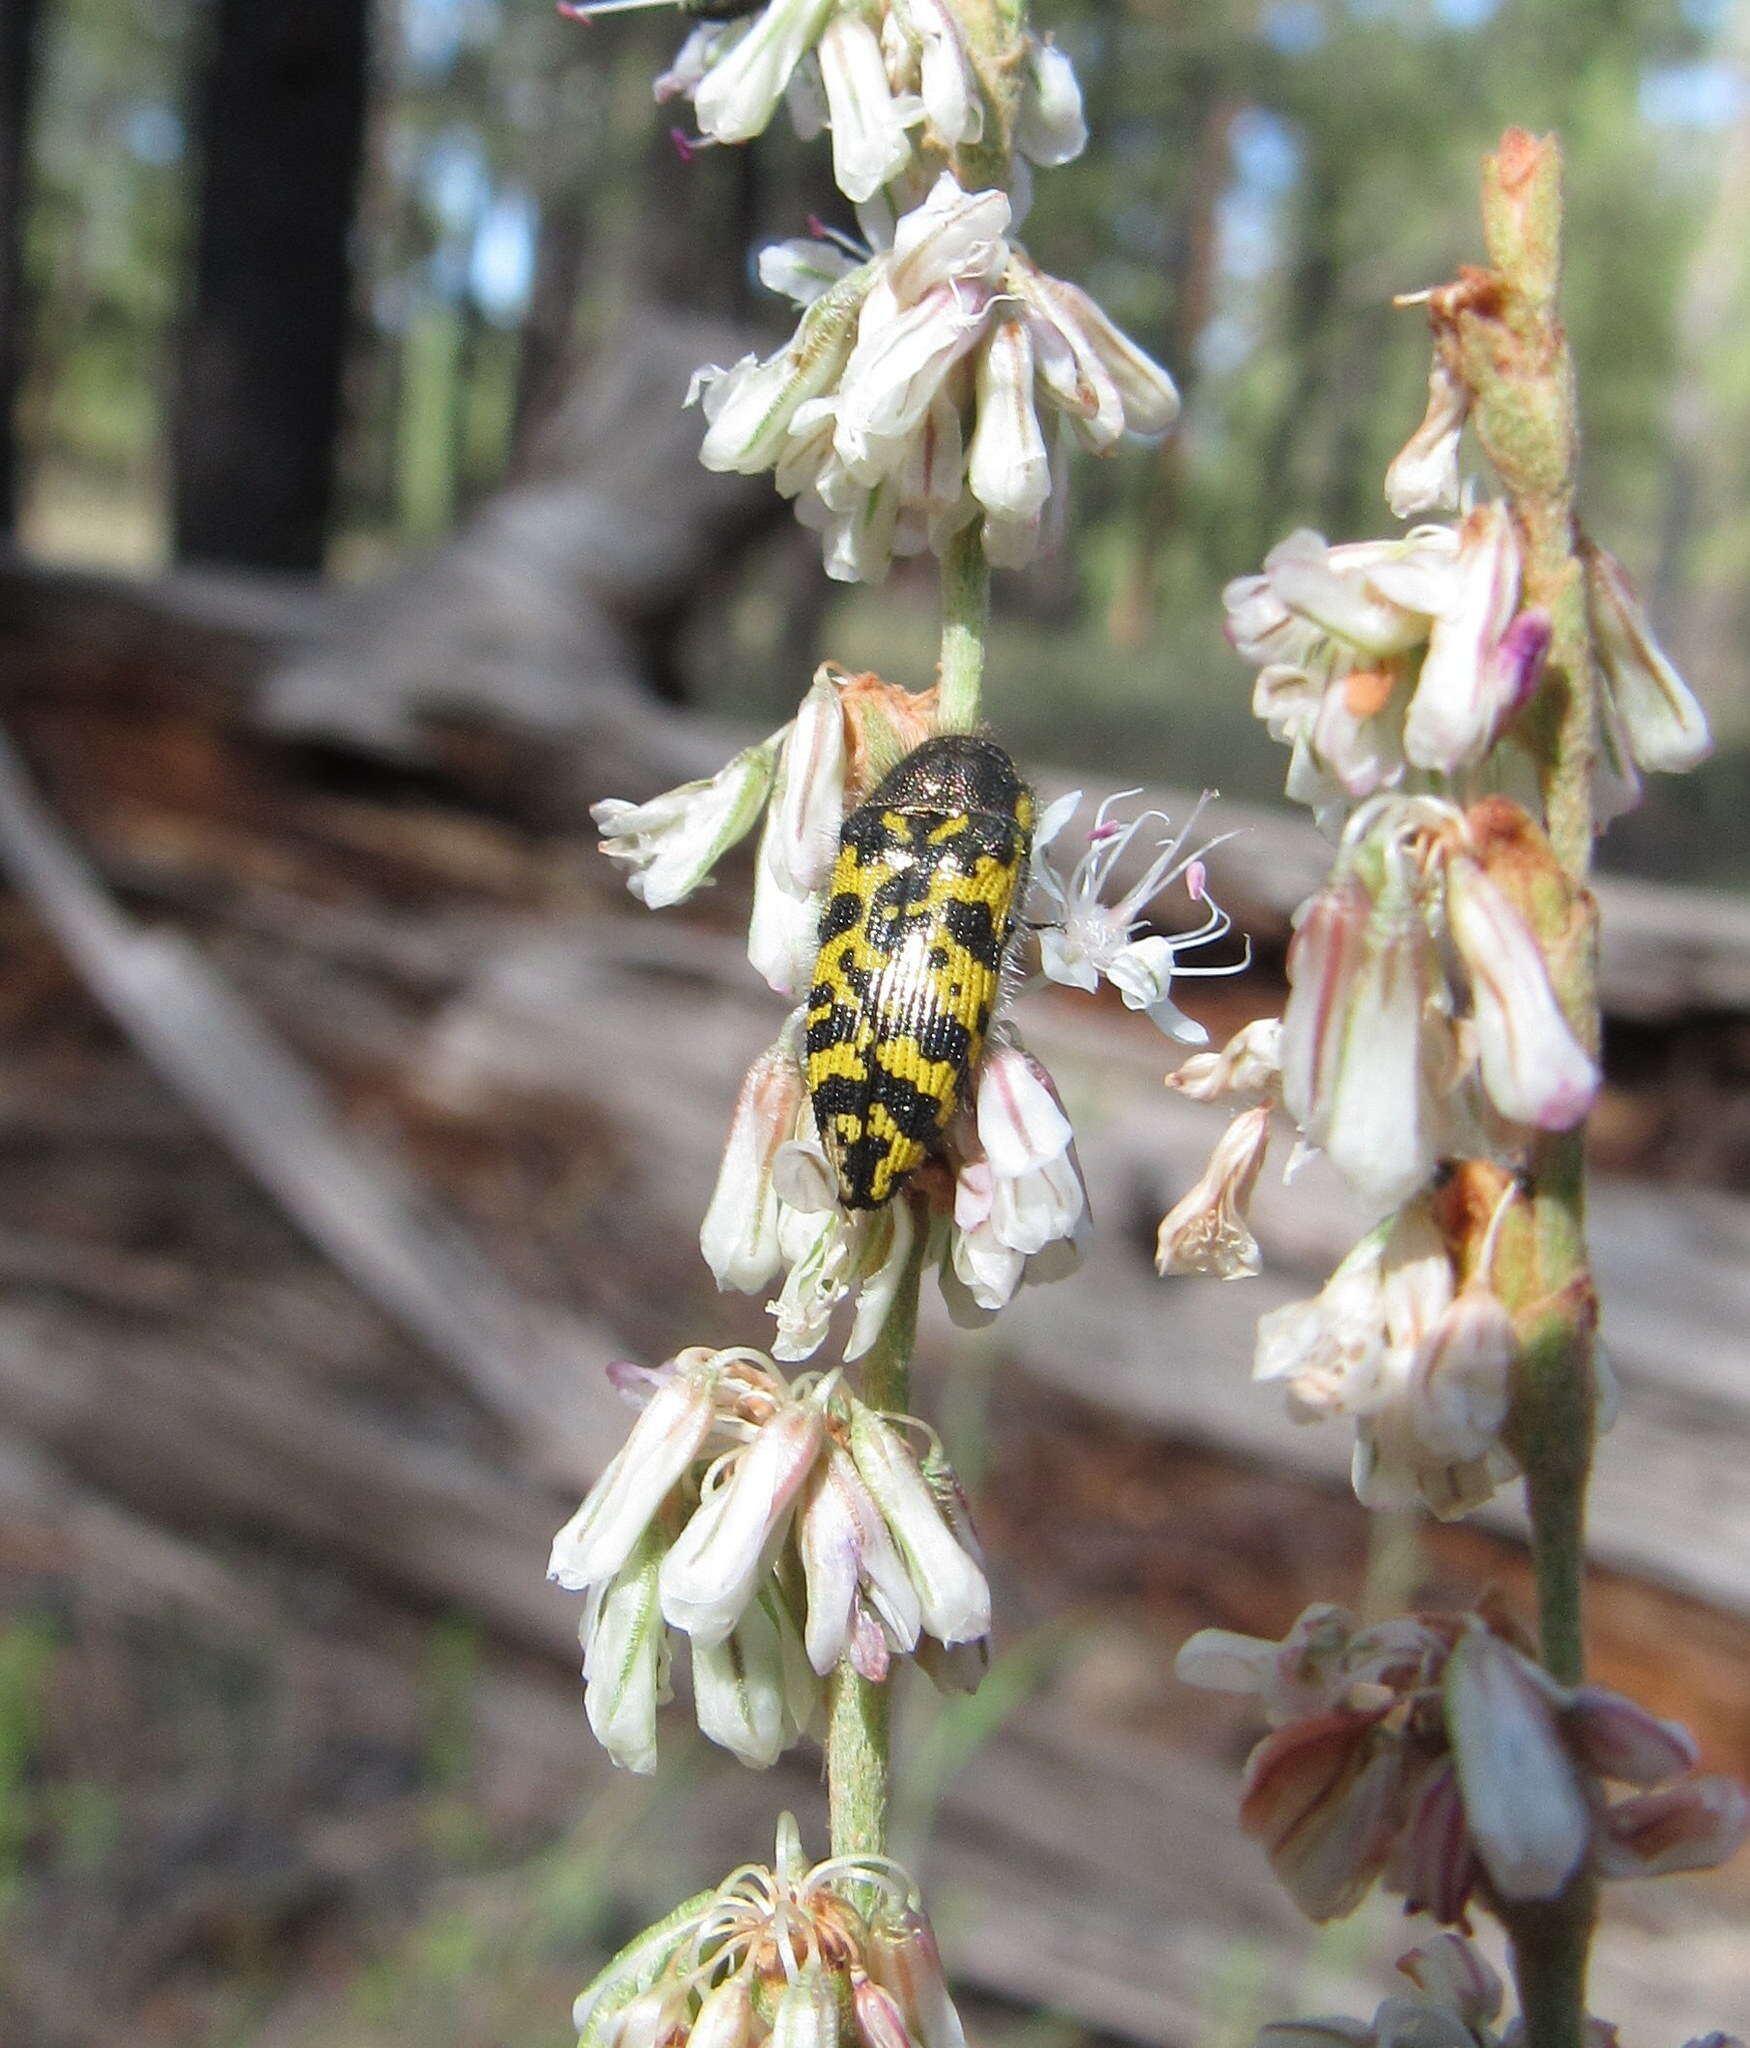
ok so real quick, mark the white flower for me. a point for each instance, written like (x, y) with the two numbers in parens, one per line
(1423, 1370)
(1049, 124)
(670, 844)
(1086, 938)
(625, 1660)
(1423, 476)
(953, 1595)
(868, 120)
(753, 1692)
(1020, 1208)
(1665, 730)
(740, 91)
(924, 37)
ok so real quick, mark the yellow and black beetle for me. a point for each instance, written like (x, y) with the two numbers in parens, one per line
(924, 893)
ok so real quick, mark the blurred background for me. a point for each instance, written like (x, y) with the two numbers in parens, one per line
(351, 1118)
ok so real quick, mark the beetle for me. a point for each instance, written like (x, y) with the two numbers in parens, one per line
(930, 871)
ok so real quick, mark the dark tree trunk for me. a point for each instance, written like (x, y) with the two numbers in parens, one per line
(18, 26)
(281, 121)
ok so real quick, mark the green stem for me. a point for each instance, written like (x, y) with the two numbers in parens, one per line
(857, 1775)
(1515, 358)
(965, 622)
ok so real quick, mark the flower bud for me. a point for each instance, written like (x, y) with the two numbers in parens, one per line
(847, 1551)
(1666, 728)
(617, 1510)
(1466, 692)
(1050, 128)
(670, 844)
(1688, 1826)
(709, 1575)
(741, 1686)
(1533, 1068)
(1619, 1739)
(880, 2023)
(953, 1596)
(739, 1236)
(1423, 476)
(1523, 1802)
(625, 1660)
(904, 1960)
(1319, 1796)
(808, 2011)
(725, 2017)
(738, 95)
(867, 120)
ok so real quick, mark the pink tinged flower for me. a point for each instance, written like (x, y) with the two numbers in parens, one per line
(887, 1236)
(1434, 1864)
(904, 1960)
(1533, 1068)
(1085, 938)
(851, 1566)
(625, 1660)
(740, 1234)
(670, 844)
(1340, 593)
(1467, 688)
(1050, 127)
(1437, 1433)
(623, 1502)
(1206, 1231)
(752, 1693)
(1009, 466)
(953, 1595)
(737, 96)
(1689, 1826)
(1320, 1796)
(876, 2014)
(868, 120)
(1304, 1674)
(1249, 1065)
(692, 61)
(1665, 728)
(1423, 476)
(1366, 994)
(710, 1573)
(1524, 1803)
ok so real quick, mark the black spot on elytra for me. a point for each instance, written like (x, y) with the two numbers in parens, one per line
(973, 927)
(837, 1027)
(840, 915)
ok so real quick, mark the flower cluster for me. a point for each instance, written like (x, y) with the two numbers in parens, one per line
(1432, 1754)
(1005, 1203)
(907, 404)
(779, 1527)
(781, 1954)
(1456, 2003)
(1422, 1364)
(886, 81)
(1399, 663)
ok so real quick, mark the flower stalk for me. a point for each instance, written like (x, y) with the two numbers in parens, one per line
(965, 622)
(858, 1773)
(1516, 362)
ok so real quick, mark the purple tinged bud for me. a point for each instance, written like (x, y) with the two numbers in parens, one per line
(1523, 1800)
(1691, 1826)
(880, 2023)
(904, 1960)
(1619, 1739)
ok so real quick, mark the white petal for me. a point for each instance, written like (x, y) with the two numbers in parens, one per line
(1049, 124)
(736, 97)
(868, 122)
